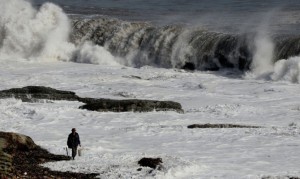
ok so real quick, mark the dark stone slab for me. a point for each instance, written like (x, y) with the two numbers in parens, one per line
(220, 126)
(281, 177)
(134, 105)
(34, 93)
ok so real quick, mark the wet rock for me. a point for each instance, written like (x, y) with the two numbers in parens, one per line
(281, 177)
(16, 142)
(5, 165)
(35, 93)
(220, 126)
(189, 66)
(155, 163)
(133, 77)
(134, 105)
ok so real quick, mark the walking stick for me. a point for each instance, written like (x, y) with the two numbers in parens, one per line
(67, 151)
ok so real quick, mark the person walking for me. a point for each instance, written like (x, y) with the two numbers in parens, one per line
(73, 142)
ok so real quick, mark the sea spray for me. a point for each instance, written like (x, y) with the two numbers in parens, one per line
(56, 45)
(263, 56)
(15, 28)
(287, 70)
(42, 35)
(263, 66)
(262, 63)
(28, 33)
(91, 53)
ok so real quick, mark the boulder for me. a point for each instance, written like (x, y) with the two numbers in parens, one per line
(155, 163)
(13, 142)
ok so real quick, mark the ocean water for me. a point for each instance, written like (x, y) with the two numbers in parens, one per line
(226, 15)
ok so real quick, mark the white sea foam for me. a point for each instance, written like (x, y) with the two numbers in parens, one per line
(91, 53)
(287, 70)
(263, 66)
(115, 142)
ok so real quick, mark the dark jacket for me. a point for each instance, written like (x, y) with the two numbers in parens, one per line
(73, 140)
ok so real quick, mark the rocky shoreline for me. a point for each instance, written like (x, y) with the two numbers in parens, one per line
(20, 157)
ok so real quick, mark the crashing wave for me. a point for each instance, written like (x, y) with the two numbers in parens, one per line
(171, 46)
(174, 46)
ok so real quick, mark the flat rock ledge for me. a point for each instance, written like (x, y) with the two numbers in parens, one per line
(20, 157)
(220, 126)
(38, 93)
(135, 105)
(280, 177)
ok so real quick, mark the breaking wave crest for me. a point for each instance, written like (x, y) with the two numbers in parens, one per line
(170, 46)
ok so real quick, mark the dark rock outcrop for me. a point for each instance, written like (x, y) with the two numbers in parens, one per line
(281, 177)
(189, 66)
(20, 158)
(131, 105)
(36, 93)
(220, 126)
(155, 163)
